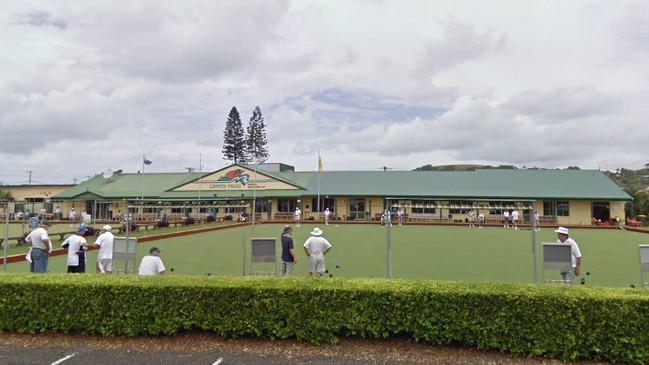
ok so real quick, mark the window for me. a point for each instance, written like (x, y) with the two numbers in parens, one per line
(559, 208)
(286, 205)
(563, 209)
(497, 211)
(261, 206)
(458, 207)
(423, 207)
(324, 203)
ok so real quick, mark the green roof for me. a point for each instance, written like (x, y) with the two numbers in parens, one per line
(482, 184)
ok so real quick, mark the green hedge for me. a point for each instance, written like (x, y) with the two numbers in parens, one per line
(568, 323)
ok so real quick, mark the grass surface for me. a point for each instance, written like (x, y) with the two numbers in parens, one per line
(417, 252)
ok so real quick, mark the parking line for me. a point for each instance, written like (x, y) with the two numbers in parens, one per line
(57, 362)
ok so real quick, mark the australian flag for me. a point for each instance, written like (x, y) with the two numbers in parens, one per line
(147, 162)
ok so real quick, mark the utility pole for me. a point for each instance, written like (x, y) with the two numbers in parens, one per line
(190, 169)
(30, 176)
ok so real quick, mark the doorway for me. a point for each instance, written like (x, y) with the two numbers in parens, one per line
(601, 211)
(356, 209)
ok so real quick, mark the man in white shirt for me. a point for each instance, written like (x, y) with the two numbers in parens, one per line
(327, 213)
(506, 218)
(481, 219)
(298, 216)
(76, 246)
(152, 264)
(563, 235)
(41, 247)
(515, 219)
(316, 248)
(471, 218)
(105, 255)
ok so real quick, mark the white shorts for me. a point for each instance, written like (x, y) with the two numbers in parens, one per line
(105, 265)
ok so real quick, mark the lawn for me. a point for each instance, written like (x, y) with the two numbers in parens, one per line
(610, 257)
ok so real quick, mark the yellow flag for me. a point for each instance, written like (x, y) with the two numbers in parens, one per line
(320, 170)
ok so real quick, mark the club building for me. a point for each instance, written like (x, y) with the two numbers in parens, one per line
(562, 197)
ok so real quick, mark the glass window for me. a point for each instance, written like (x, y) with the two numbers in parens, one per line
(559, 208)
(324, 203)
(286, 205)
(423, 207)
(459, 207)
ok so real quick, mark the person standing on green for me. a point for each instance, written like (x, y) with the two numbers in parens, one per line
(289, 259)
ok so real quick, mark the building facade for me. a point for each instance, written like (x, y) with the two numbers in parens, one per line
(273, 191)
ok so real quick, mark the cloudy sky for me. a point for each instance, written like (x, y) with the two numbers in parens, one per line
(87, 86)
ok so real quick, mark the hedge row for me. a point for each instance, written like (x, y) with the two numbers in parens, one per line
(568, 323)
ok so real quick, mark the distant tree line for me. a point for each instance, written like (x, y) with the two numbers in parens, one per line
(245, 147)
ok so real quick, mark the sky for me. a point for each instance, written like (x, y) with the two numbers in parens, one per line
(91, 86)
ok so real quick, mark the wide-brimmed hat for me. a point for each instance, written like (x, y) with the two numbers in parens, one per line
(82, 229)
(46, 223)
(563, 230)
(154, 249)
(107, 228)
(287, 229)
(316, 231)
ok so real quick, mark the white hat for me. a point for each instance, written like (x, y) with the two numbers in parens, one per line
(316, 231)
(107, 228)
(563, 230)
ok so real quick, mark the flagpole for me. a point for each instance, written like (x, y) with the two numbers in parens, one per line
(200, 173)
(319, 178)
(141, 177)
(254, 195)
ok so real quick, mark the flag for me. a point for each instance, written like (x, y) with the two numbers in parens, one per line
(146, 162)
(203, 166)
(320, 170)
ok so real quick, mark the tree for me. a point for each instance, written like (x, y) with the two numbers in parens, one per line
(256, 143)
(6, 195)
(234, 144)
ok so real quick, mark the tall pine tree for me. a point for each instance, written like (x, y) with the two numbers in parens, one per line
(256, 143)
(234, 143)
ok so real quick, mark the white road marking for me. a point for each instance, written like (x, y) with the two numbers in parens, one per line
(57, 362)
(218, 361)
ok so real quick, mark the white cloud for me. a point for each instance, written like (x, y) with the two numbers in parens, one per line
(91, 86)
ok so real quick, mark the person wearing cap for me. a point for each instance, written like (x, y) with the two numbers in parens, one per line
(152, 264)
(76, 246)
(316, 247)
(105, 255)
(41, 246)
(564, 237)
(298, 216)
(289, 258)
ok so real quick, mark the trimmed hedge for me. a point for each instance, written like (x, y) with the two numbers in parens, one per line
(568, 323)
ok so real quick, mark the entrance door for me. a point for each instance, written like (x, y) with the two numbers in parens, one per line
(357, 209)
(601, 211)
